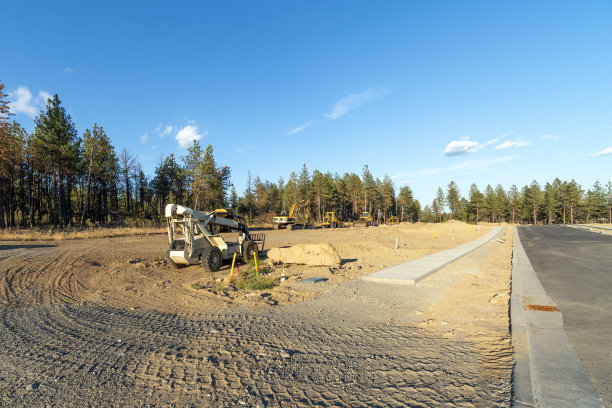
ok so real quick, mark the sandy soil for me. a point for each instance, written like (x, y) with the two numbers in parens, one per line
(131, 272)
(606, 228)
(109, 315)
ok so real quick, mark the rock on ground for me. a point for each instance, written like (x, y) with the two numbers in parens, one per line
(306, 254)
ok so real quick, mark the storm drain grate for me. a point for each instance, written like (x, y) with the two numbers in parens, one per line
(543, 308)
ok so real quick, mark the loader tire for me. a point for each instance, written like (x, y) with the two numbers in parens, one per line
(249, 249)
(332, 225)
(367, 224)
(212, 259)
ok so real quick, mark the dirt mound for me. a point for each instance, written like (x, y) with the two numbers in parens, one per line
(454, 222)
(306, 254)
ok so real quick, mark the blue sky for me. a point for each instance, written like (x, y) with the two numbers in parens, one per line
(426, 92)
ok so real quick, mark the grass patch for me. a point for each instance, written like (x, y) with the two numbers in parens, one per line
(253, 280)
(197, 286)
(74, 233)
(161, 257)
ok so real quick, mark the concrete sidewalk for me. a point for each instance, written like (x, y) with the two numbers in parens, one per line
(411, 272)
(547, 370)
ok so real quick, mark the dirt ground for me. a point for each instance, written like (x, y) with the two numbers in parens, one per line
(606, 228)
(110, 315)
(131, 272)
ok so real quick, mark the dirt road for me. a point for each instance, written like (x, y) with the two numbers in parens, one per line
(101, 323)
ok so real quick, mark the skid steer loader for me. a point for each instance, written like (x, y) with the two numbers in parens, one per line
(191, 241)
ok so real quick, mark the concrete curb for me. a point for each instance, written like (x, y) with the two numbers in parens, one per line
(409, 273)
(547, 371)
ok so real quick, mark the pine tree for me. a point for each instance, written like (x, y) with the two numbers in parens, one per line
(533, 200)
(476, 201)
(453, 198)
(57, 146)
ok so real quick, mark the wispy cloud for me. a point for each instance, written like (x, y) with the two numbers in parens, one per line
(458, 147)
(21, 101)
(68, 70)
(143, 138)
(550, 137)
(188, 134)
(604, 152)
(465, 145)
(299, 128)
(471, 166)
(597, 129)
(250, 150)
(510, 144)
(166, 132)
(354, 101)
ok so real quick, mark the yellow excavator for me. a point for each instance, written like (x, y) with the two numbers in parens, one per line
(299, 215)
(394, 219)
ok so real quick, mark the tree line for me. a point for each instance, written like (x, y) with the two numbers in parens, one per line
(557, 202)
(56, 177)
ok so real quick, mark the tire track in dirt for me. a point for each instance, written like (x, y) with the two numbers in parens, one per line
(29, 280)
(229, 359)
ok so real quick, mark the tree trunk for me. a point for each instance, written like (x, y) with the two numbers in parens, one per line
(564, 215)
(87, 189)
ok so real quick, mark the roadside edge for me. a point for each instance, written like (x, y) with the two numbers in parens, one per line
(547, 371)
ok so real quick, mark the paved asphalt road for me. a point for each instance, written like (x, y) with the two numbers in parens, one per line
(575, 269)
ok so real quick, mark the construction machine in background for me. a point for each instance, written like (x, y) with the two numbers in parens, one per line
(190, 241)
(299, 215)
(394, 219)
(330, 220)
(366, 218)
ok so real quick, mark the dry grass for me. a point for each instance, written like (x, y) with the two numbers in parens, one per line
(69, 234)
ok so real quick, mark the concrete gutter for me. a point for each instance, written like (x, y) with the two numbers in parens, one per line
(409, 273)
(547, 370)
(587, 227)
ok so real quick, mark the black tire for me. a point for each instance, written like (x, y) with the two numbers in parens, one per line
(332, 225)
(367, 224)
(249, 249)
(212, 259)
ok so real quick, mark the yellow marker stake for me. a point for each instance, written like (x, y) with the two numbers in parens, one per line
(435, 235)
(256, 267)
(231, 277)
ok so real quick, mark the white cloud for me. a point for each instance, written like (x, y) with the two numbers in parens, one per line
(167, 131)
(604, 152)
(507, 134)
(144, 138)
(550, 137)
(20, 101)
(188, 134)
(472, 166)
(42, 98)
(354, 101)
(509, 144)
(68, 70)
(491, 142)
(299, 128)
(463, 146)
